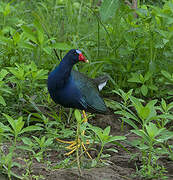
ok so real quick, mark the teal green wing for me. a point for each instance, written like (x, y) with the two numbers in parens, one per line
(89, 91)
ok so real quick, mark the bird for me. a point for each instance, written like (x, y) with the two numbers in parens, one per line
(73, 89)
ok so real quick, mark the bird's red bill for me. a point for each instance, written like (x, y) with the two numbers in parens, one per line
(82, 58)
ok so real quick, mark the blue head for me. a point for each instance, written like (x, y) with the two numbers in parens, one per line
(75, 56)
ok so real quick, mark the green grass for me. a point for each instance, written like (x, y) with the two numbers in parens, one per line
(136, 53)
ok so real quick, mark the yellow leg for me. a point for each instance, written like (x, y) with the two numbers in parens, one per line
(85, 120)
(86, 150)
(85, 117)
(67, 142)
(74, 145)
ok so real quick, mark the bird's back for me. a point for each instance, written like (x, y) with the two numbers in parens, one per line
(89, 91)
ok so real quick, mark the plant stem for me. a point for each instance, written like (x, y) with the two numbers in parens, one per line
(77, 150)
(98, 39)
(101, 150)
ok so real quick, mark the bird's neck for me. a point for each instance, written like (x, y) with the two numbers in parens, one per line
(64, 68)
(61, 73)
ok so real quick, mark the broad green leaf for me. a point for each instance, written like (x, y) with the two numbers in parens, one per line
(124, 95)
(143, 146)
(130, 122)
(165, 116)
(19, 73)
(6, 41)
(49, 141)
(108, 8)
(152, 114)
(170, 106)
(27, 141)
(112, 150)
(135, 78)
(26, 148)
(67, 133)
(167, 75)
(112, 104)
(144, 113)
(5, 89)
(78, 115)
(144, 90)
(2, 101)
(165, 135)
(40, 74)
(30, 128)
(19, 125)
(142, 134)
(42, 141)
(10, 121)
(164, 106)
(136, 103)
(16, 37)
(151, 103)
(37, 139)
(127, 115)
(29, 33)
(152, 87)
(4, 127)
(8, 158)
(106, 131)
(165, 41)
(147, 76)
(47, 50)
(104, 138)
(95, 129)
(3, 73)
(116, 138)
(141, 78)
(1, 131)
(26, 45)
(40, 37)
(152, 130)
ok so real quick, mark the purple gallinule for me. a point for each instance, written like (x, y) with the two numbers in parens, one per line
(73, 89)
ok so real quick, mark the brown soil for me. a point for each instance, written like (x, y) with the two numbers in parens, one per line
(120, 167)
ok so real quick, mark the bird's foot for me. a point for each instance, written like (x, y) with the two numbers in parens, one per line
(74, 145)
